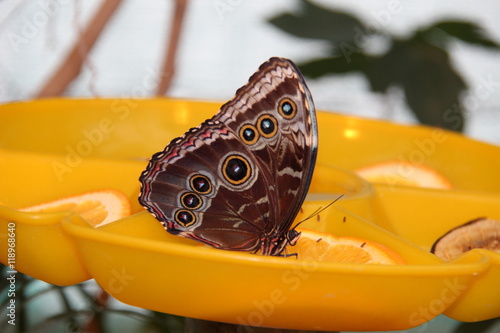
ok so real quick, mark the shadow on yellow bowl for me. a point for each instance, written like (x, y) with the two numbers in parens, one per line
(55, 148)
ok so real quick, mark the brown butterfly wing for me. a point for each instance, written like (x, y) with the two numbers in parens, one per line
(238, 180)
(186, 189)
(290, 156)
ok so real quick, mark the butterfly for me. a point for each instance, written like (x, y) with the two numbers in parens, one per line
(238, 180)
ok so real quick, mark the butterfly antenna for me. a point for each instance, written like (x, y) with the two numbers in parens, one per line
(318, 211)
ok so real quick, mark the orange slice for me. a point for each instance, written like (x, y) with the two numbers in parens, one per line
(320, 246)
(404, 173)
(97, 208)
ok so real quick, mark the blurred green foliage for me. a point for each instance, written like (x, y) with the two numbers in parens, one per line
(418, 64)
(83, 308)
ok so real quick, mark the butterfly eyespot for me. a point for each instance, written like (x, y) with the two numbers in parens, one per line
(287, 108)
(200, 184)
(236, 169)
(268, 126)
(191, 200)
(249, 134)
(185, 218)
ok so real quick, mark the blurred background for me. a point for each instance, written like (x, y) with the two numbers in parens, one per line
(435, 63)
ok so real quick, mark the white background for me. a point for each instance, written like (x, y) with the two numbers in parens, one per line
(221, 48)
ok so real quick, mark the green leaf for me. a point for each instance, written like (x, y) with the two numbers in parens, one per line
(385, 70)
(315, 22)
(465, 31)
(432, 87)
(333, 65)
(478, 327)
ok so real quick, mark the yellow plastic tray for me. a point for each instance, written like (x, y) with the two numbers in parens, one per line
(54, 148)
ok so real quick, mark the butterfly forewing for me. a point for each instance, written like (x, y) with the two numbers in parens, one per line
(289, 157)
(237, 181)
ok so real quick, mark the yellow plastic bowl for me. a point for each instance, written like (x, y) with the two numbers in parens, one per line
(54, 148)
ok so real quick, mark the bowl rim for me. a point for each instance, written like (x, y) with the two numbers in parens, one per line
(471, 264)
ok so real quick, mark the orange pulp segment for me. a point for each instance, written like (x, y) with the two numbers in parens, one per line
(320, 246)
(97, 207)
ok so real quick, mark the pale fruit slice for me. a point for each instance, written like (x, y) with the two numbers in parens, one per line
(481, 233)
(97, 208)
(320, 246)
(404, 173)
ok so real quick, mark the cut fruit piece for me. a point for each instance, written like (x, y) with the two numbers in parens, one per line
(481, 233)
(97, 208)
(404, 173)
(320, 246)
